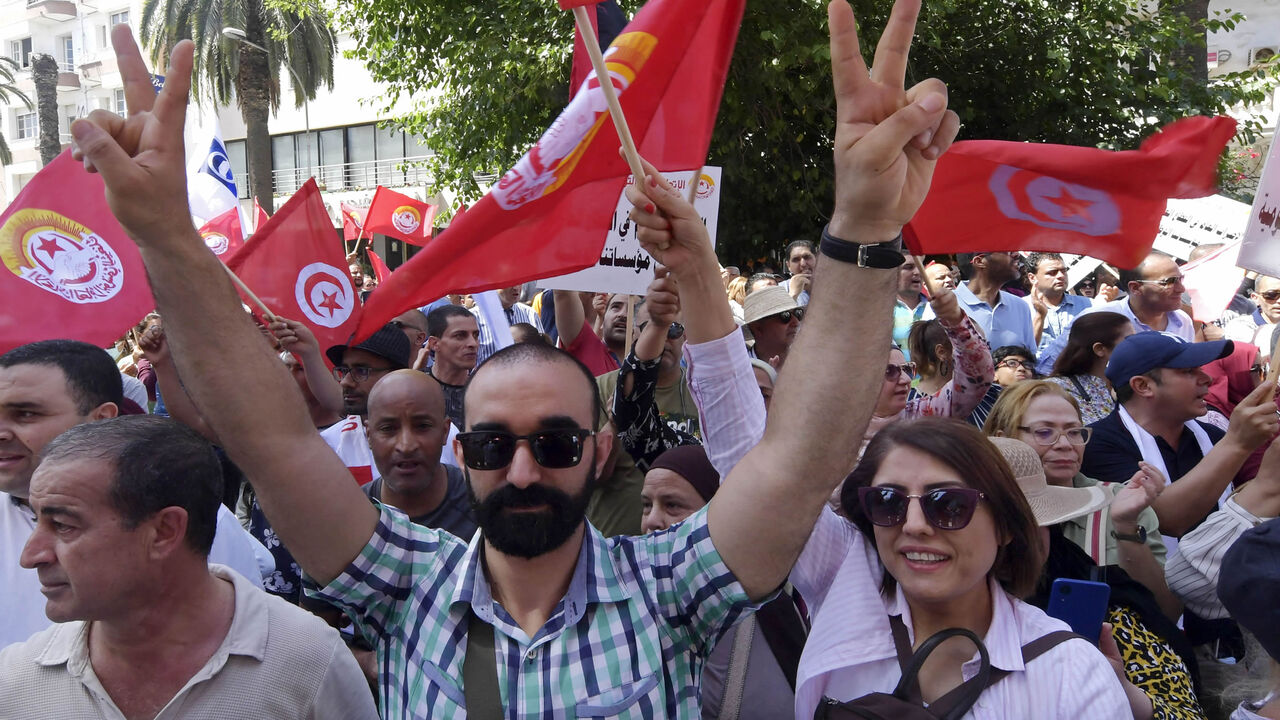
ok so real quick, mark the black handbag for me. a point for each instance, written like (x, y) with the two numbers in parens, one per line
(906, 702)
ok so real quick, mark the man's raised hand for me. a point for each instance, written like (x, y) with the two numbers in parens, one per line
(140, 156)
(887, 138)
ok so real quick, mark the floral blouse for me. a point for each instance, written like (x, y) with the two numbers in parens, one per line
(1091, 392)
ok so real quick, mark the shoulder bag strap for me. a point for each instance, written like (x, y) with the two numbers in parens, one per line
(1035, 649)
(956, 702)
(783, 629)
(1080, 387)
(901, 641)
(480, 671)
(736, 678)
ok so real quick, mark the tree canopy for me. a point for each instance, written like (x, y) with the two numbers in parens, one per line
(487, 78)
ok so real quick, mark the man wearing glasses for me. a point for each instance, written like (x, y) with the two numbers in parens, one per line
(1155, 297)
(358, 368)
(1256, 329)
(773, 317)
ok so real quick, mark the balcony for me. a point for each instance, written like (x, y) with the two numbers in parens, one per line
(68, 80)
(54, 10)
(366, 175)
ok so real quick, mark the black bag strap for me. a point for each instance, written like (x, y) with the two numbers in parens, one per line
(1035, 649)
(954, 704)
(901, 642)
(480, 671)
(783, 629)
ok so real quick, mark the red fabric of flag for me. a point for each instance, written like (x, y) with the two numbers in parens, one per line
(400, 216)
(352, 221)
(223, 234)
(260, 216)
(380, 269)
(550, 214)
(72, 272)
(607, 20)
(296, 266)
(993, 196)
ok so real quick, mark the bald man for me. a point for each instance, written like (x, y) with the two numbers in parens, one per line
(407, 430)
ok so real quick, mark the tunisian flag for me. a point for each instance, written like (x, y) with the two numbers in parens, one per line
(989, 195)
(72, 271)
(607, 19)
(380, 270)
(223, 234)
(550, 214)
(401, 216)
(296, 266)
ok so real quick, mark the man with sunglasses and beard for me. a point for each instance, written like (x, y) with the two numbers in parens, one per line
(540, 608)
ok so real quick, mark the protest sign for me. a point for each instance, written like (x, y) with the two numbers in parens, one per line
(624, 267)
(1260, 250)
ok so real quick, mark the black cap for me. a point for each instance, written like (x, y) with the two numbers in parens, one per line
(389, 342)
(1249, 584)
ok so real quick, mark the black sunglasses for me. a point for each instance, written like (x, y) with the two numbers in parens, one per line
(493, 449)
(784, 317)
(893, 372)
(674, 331)
(944, 508)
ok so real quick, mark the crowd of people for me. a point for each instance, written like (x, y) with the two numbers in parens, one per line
(851, 490)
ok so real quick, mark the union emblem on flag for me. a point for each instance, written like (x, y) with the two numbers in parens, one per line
(407, 219)
(60, 256)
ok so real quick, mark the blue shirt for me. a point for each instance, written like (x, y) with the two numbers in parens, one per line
(1058, 320)
(1008, 323)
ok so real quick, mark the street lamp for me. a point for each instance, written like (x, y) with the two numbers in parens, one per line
(237, 35)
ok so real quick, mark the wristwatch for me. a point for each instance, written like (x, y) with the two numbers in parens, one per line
(1138, 537)
(884, 256)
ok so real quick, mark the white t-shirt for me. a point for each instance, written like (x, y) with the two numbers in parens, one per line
(22, 603)
(348, 440)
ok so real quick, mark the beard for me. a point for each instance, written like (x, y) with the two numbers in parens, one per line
(530, 534)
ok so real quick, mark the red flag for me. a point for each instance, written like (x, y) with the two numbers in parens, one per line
(260, 216)
(550, 214)
(380, 270)
(295, 264)
(607, 20)
(224, 235)
(72, 271)
(352, 221)
(989, 195)
(400, 216)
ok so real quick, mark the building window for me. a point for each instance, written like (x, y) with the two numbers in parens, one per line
(67, 54)
(27, 127)
(117, 102)
(102, 37)
(239, 166)
(20, 52)
(119, 18)
(69, 112)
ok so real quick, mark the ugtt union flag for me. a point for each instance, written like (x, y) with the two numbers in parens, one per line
(70, 270)
(549, 215)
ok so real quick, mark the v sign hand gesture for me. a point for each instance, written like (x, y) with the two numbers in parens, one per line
(887, 138)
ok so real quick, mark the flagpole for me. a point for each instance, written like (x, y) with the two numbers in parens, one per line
(266, 314)
(606, 86)
(693, 185)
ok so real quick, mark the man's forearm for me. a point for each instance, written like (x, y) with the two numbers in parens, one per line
(1193, 496)
(176, 401)
(326, 390)
(569, 316)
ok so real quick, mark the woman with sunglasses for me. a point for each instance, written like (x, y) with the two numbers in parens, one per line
(1081, 366)
(939, 536)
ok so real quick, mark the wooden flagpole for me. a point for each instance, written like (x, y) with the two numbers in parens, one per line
(611, 97)
(266, 314)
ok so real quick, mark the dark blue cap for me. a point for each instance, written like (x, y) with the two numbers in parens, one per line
(389, 342)
(1145, 351)
(1249, 584)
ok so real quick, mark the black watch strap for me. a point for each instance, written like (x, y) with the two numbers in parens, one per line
(880, 255)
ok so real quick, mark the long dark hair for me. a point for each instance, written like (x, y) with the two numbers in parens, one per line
(1077, 357)
(961, 447)
(923, 337)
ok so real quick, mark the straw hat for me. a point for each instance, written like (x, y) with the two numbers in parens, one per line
(765, 302)
(1050, 504)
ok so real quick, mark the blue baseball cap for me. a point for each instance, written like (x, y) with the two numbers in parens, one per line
(1145, 351)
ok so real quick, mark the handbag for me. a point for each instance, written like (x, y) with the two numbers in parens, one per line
(906, 702)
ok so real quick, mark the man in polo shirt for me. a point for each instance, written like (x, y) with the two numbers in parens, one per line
(800, 262)
(145, 627)
(1160, 391)
(1052, 308)
(358, 368)
(909, 305)
(562, 622)
(773, 317)
(1003, 317)
(1154, 301)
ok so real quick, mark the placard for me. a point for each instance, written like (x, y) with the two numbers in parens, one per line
(624, 267)
(1260, 250)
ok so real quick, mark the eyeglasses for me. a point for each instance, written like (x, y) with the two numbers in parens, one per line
(784, 317)
(1015, 363)
(1086, 284)
(944, 508)
(359, 372)
(1270, 295)
(493, 449)
(893, 372)
(674, 331)
(1049, 436)
(1164, 282)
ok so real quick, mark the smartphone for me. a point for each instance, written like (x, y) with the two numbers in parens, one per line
(1082, 604)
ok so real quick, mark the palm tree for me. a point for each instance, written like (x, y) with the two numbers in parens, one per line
(44, 74)
(298, 38)
(9, 91)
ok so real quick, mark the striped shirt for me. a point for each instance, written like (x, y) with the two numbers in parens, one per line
(1192, 572)
(517, 313)
(628, 640)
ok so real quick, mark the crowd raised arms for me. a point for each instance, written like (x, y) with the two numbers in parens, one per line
(872, 485)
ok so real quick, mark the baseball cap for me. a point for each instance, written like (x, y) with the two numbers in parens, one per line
(767, 301)
(1145, 351)
(1249, 583)
(389, 342)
